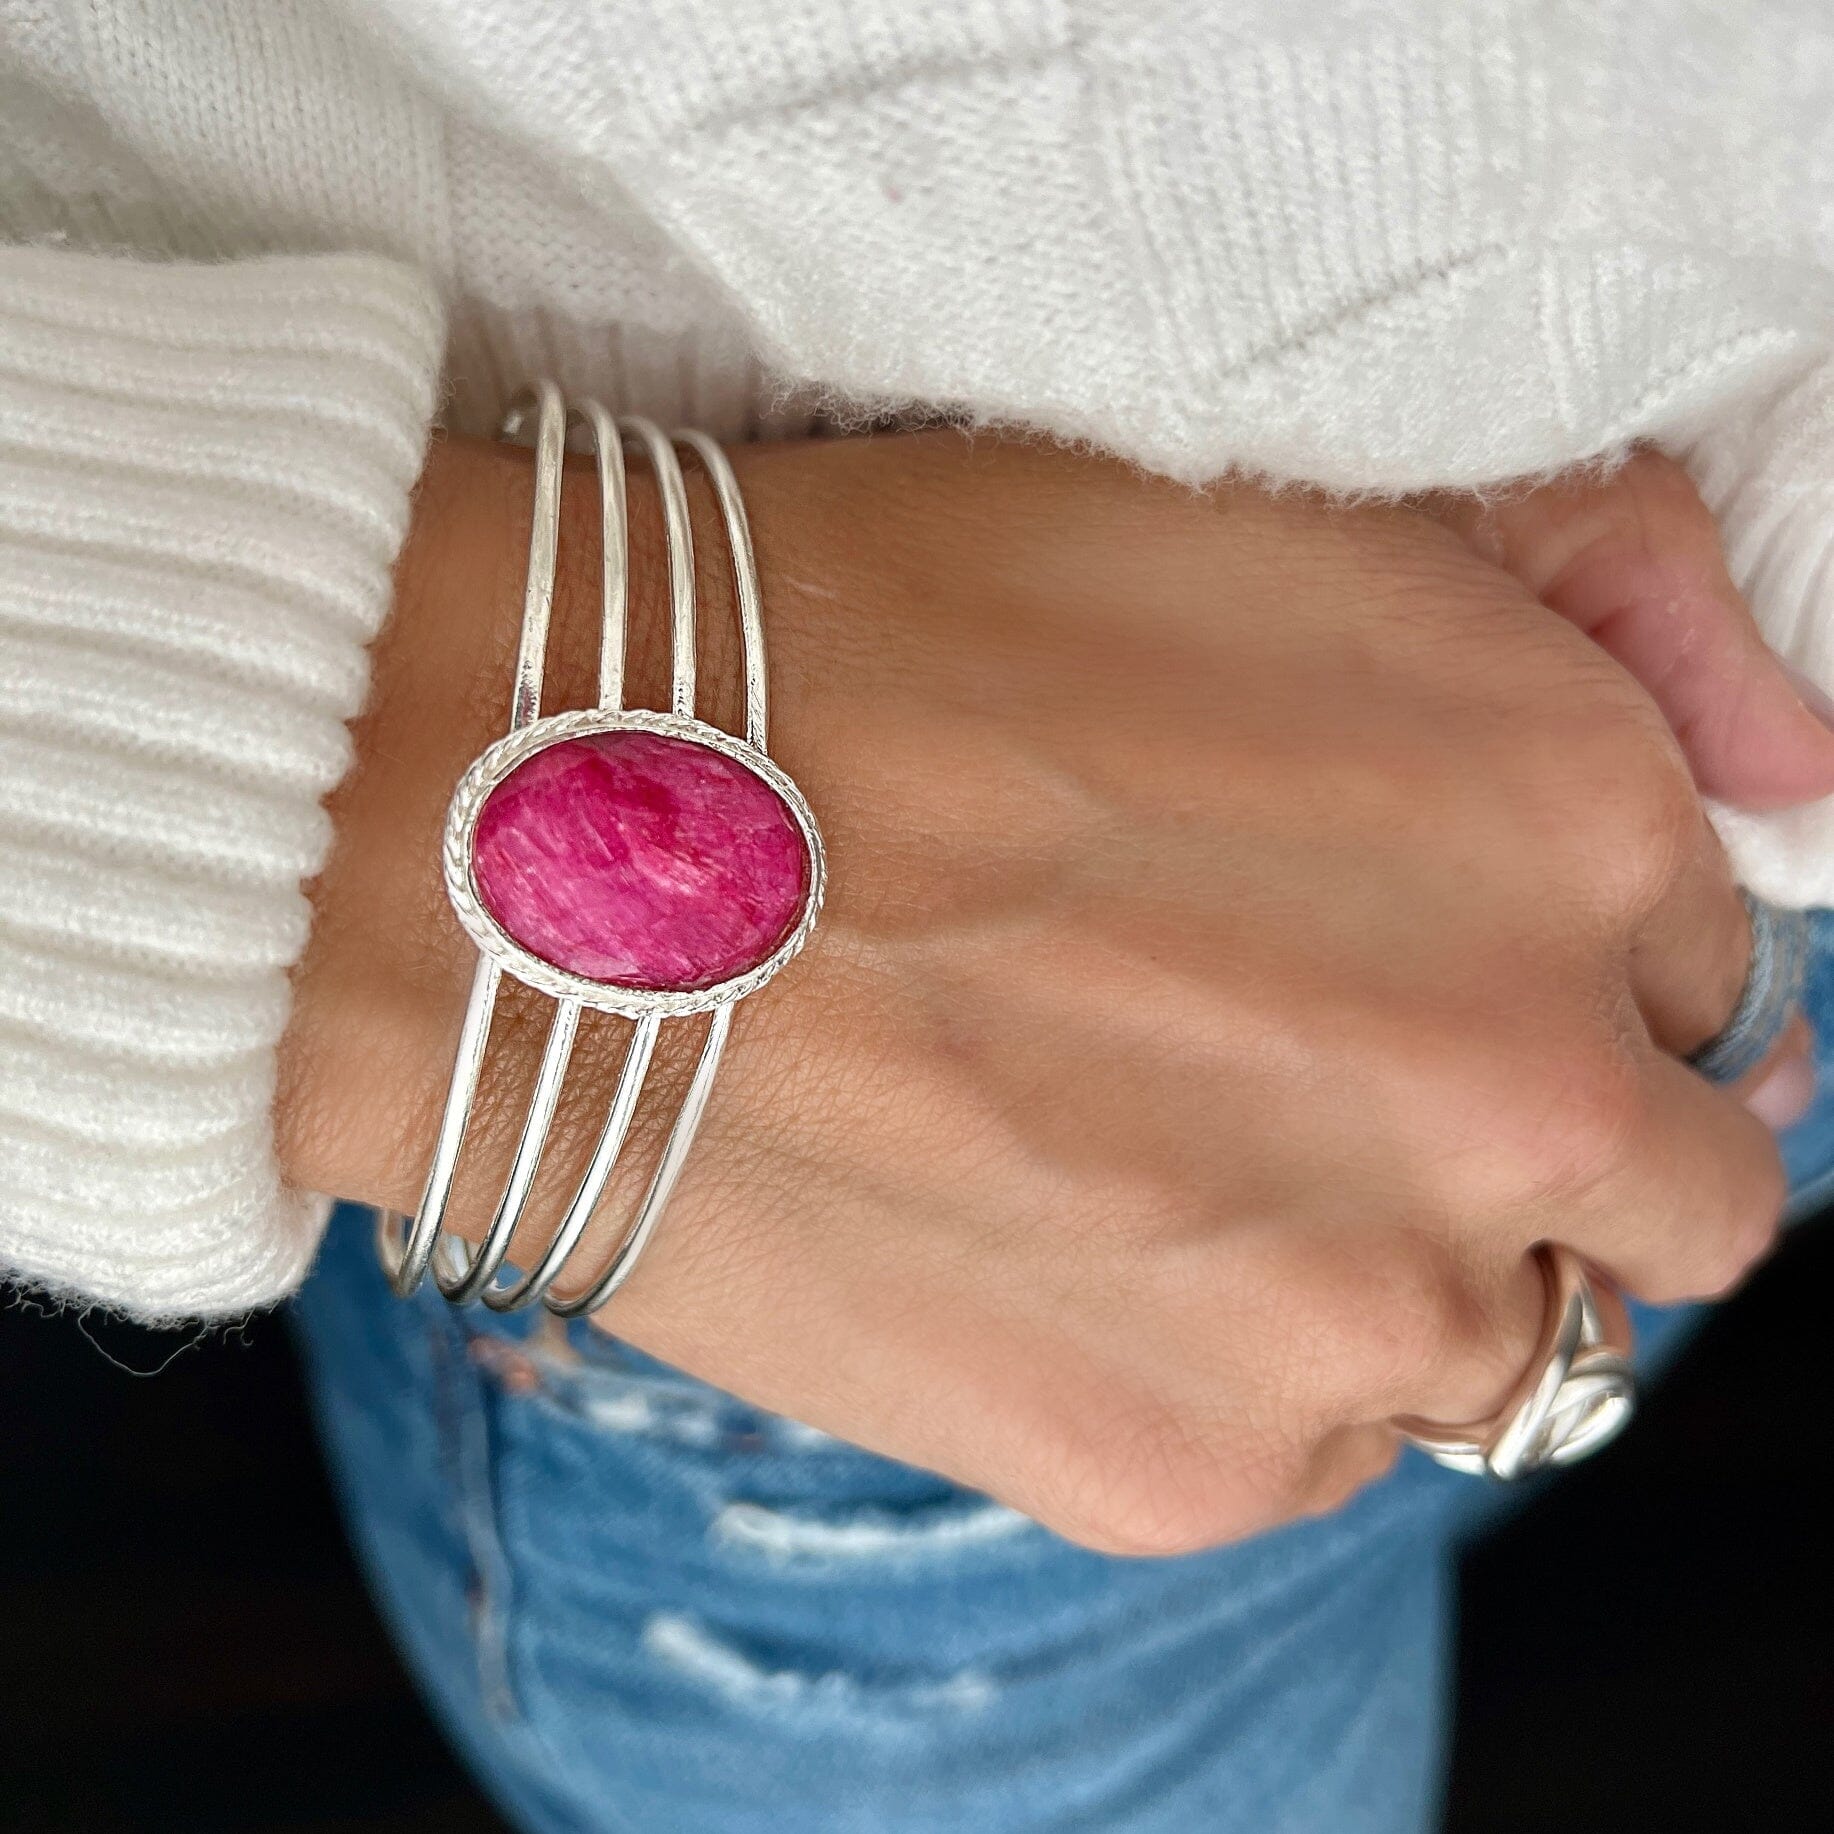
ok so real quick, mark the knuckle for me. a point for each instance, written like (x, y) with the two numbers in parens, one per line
(1395, 1322)
(1553, 1123)
(1642, 828)
(1589, 1111)
(1602, 795)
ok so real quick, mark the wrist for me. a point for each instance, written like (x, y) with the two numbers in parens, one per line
(384, 980)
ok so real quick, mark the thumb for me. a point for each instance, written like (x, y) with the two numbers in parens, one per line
(1634, 560)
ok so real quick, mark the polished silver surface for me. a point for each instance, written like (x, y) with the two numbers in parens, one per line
(409, 1268)
(1577, 1392)
(541, 1276)
(614, 554)
(409, 1248)
(678, 529)
(544, 548)
(744, 579)
(662, 1181)
(474, 1275)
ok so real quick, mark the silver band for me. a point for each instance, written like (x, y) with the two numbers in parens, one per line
(1577, 1393)
(408, 1248)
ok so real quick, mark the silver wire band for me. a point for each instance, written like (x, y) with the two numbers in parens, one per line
(409, 1248)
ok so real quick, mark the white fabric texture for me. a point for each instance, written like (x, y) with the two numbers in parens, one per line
(204, 478)
(1374, 244)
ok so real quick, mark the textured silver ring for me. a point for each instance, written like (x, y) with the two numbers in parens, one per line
(1576, 1394)
(638, 863)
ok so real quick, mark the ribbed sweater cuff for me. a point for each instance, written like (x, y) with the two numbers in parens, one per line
(204, 479)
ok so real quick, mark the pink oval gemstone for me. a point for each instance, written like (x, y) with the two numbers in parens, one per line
(641, 861)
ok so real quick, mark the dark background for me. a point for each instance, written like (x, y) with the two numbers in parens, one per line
(185, 1645)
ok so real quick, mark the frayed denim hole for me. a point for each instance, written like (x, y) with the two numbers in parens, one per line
(843, 1540)
(764, 1682)
(696, 1419)
(620, 1392)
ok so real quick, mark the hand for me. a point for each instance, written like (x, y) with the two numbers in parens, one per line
(1253, 925)
(1633, 559)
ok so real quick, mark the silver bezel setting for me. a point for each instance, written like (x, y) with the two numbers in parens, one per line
(494, 765)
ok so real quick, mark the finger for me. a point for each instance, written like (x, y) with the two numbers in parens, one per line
(1634, 560)
(1688, 1237)
(1781, 1090)
(1693, 1201)
(1690, 958)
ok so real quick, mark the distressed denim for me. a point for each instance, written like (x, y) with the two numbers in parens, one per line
(640, 1606)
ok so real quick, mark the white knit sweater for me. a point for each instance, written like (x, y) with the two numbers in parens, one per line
(1373, 243)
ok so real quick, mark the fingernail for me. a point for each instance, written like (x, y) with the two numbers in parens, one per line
(1812, 697)
(1783, 1095)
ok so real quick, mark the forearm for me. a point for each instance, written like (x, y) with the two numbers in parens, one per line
(1253, 926)
(382, 985)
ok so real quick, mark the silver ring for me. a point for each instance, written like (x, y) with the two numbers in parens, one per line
(1576, 1395)
(1769, 999)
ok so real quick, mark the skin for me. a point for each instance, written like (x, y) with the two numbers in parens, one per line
(1253, 926)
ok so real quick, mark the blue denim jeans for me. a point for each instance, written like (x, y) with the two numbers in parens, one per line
(640, 1606)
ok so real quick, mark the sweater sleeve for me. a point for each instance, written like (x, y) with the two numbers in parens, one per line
(204, 478)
